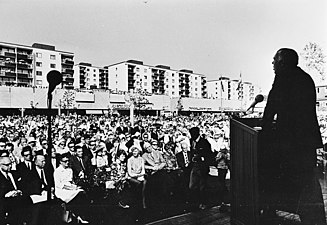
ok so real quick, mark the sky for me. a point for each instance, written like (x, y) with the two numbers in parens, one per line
(211, 37)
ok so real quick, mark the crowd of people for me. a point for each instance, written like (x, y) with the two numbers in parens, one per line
(157, 155)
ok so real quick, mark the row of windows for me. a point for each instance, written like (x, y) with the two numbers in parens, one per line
(39, 55)
(52, 65)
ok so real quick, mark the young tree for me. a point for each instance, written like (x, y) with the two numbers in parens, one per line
(68, 100)
(314, 60)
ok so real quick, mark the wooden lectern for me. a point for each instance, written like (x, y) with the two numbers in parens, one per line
(245, 144)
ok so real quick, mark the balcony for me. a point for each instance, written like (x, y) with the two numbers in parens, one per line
(10, 74)
(69, 79)
(68, 70)
(24, 66)
(24, 56)
(10, 54)
(10, 64)
(69, 86)
(67, 61)
(24, 76)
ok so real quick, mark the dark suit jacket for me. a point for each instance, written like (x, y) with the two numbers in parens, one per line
(11, 204)
(24, 174)
(121, 130)
(34, 186)
(77, 166)
(181, 159)
(293, 99)
(201, 155)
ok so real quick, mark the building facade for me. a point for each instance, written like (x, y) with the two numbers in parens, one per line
(87, 76)
(160, 80)
(29, 65)
(235, 90)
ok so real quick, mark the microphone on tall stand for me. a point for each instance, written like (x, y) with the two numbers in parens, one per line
(259, 98)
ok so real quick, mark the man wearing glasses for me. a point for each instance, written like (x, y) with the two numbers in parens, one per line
(24, 168)
(12, 199)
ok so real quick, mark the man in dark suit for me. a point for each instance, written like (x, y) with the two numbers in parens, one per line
(12, 199)
(24, 168)
(184, 163)
(297, 136)
(122, 129)
(201, 157)
(79, 164)
(41, 182)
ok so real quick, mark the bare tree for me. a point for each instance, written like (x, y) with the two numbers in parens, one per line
(314, 59)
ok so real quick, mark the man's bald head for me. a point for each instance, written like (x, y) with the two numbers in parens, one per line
(5, 163)
(285, 58)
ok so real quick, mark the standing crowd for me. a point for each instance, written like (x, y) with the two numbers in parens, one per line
(152, 160)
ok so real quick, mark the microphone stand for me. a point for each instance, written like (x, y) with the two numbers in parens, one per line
(49, 138)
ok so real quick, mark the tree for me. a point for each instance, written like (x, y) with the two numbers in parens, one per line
(314, 59)
(68, 100)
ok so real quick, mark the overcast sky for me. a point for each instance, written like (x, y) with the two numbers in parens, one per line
(211, 37)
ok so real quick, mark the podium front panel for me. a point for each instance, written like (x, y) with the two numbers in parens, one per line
(244, 172)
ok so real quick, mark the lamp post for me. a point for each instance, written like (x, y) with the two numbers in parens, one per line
(54, 78)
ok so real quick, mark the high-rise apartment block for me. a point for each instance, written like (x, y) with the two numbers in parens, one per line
(87, 76)
(160, 79)
(226, 89)
(28, 65)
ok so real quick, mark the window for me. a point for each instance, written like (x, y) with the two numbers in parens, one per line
(172, 75)
(39, 64)
(145, 70)
(196, 78)
(38, 73)
(137, 69)
(94, 75)
(38, 82)
(145, 84)
(38, 55)
(94, 80)
(145, 77)
(173, 86)
(52, 57)
(167, 86)
(173, 93)
(173, 80)
(52, 65)
(196, 89)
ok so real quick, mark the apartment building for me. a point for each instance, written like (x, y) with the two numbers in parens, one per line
(16, 65)
(87, 76)
(129, 75)
(28, 65)
(226, 89)
(47, 58)
(160, 79)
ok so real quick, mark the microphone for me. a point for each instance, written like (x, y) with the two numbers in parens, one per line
(258, 98)
(54, 78)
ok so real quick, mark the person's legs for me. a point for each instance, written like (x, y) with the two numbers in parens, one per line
(311, 204)
(222, 184)
(203, 190)
(194, 186)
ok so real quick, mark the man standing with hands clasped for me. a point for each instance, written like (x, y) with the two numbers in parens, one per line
(292, 99)
(201, 158)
